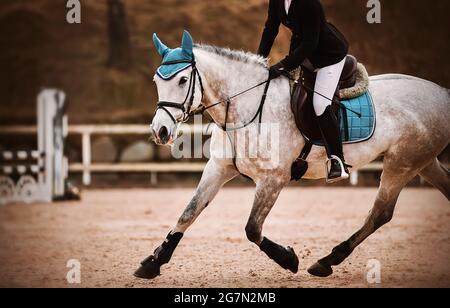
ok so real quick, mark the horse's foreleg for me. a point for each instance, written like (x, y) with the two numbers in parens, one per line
(214, 176)
(392, 182)
(267, 193)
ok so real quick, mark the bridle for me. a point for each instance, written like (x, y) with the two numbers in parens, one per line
(186, 106)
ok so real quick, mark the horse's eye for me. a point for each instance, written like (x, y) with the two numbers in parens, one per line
(183, 80)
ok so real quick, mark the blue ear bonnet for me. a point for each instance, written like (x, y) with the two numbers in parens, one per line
(167, 72)
(185, 53)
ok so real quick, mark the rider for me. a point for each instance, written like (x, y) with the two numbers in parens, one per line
(317, 45)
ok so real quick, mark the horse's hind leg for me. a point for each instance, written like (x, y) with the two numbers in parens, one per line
(267, 192)
(438, 176)
(216, 173)
(393, 180)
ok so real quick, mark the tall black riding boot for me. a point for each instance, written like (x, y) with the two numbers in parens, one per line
(331, 134)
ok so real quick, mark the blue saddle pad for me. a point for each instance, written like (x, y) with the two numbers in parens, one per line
(358, 119)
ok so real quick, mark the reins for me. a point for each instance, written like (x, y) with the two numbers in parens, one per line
(337, 101)
(186, 106)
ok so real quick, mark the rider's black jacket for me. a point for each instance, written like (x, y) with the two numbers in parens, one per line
(313, 38)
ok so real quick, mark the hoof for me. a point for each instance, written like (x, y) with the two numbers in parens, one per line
(284, 257)
(149, 269)
(292, 263)
(320, 270)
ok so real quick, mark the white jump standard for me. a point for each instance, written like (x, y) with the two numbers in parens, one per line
(38, 175)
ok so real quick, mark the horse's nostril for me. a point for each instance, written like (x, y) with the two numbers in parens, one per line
(163, 134)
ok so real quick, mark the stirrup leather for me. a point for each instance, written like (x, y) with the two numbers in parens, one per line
(344, 175)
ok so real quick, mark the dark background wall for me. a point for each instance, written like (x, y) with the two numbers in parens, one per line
(39, 49)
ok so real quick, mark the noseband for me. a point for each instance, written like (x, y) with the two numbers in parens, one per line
(186, 106)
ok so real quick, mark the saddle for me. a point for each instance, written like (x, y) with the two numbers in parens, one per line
(352, 103)
(302, 96)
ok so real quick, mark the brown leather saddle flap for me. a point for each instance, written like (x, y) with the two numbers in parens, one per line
(303, 93)
(303, 108)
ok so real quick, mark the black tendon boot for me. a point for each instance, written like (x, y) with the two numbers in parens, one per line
(150, 267)
(329, 127)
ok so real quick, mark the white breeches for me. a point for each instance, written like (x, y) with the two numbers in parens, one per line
(326, 85)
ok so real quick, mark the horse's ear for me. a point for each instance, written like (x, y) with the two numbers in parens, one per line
(187, 43)
(160, 47)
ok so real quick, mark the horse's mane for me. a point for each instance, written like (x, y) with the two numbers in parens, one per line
(236, 55)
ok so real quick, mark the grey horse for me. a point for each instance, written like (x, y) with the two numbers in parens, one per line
(413, 128)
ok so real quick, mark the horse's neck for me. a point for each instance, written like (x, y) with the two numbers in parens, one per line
(225, 77)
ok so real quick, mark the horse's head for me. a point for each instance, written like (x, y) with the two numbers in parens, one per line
(180, 89)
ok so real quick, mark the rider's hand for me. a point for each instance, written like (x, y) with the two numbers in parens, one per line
(276, 70)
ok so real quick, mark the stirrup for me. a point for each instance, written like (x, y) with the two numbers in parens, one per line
(344, 175)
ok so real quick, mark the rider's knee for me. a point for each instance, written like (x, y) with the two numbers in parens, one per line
(320, 104)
